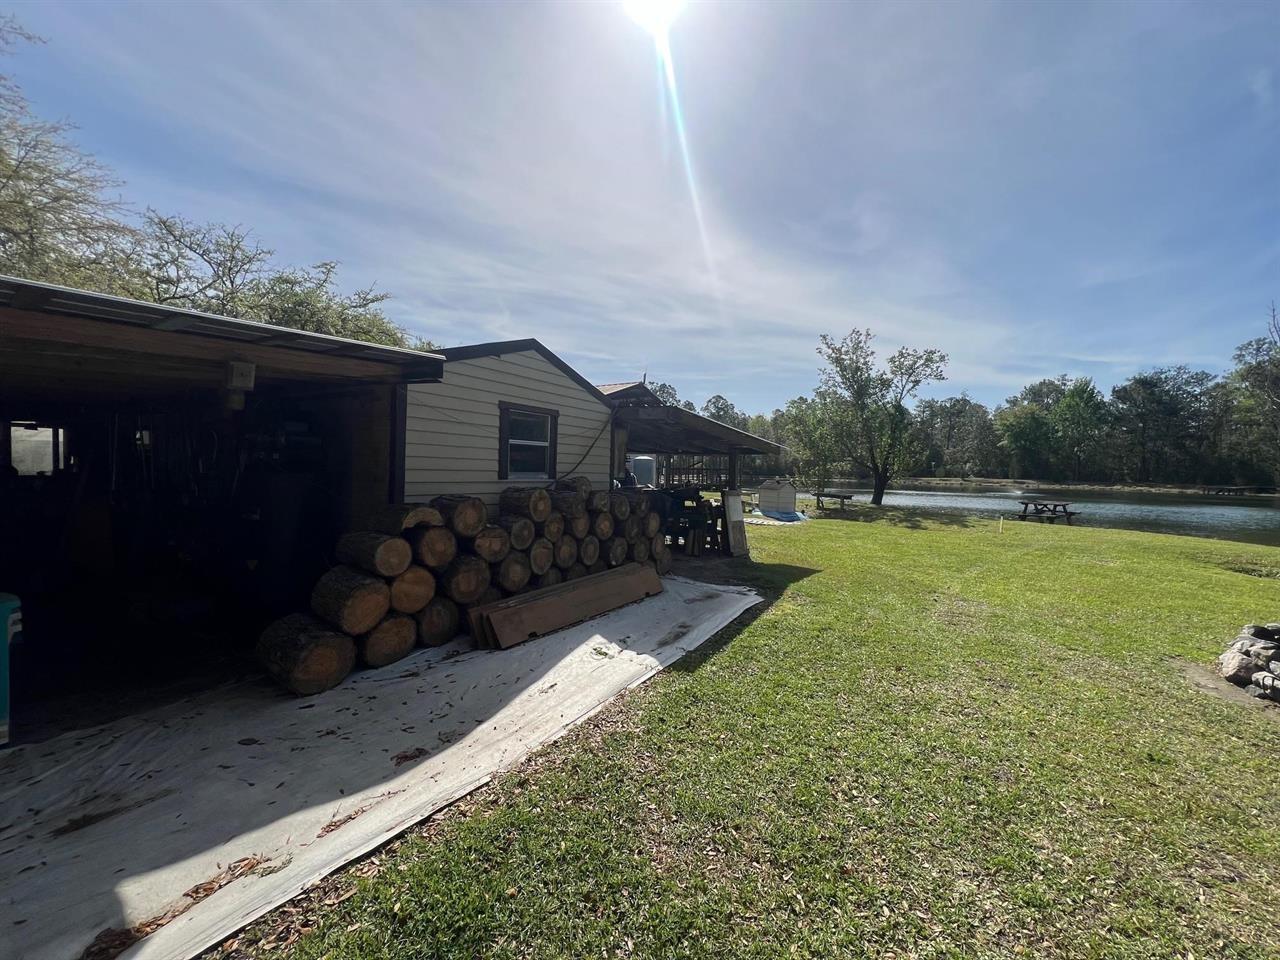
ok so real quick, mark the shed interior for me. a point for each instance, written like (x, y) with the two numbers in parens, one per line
(154, 517)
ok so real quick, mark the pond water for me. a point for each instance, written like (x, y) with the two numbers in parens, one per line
(1250, 521)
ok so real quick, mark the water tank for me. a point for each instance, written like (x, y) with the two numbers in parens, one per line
(646, 471)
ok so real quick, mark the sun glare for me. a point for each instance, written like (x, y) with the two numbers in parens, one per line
(656, 16)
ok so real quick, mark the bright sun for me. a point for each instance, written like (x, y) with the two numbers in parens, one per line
(656, 16)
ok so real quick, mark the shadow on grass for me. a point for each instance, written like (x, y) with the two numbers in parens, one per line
(770, 580)
(908, 517)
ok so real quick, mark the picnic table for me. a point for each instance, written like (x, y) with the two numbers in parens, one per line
(1046, 511)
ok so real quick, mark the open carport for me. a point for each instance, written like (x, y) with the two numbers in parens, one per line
(168, 481)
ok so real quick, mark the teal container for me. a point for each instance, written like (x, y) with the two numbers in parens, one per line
(10, 631)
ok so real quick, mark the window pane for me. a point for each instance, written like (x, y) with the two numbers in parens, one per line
(528, 426)
(32, 450)
(527, 458)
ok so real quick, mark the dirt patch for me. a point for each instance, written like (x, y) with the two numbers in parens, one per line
(1207, 681)
(959, 613)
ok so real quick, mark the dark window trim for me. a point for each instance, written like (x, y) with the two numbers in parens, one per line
(504, 437)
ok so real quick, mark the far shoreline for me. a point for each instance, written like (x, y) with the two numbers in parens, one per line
(997, 484)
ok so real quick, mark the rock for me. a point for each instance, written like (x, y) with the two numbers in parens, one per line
(1274, 667)
(1237, 667)
(1257, 632)
(1253, 691)
(1268, 683)
(1274, 628)
(1263, 653)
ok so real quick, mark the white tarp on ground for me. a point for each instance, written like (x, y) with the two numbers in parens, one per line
(108, 827)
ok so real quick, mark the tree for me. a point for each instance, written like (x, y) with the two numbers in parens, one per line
(721, 410)
(1026, 432)
(956, 437)
(806, 427)
(1078, 418)
(866, 404)
(222, 269)
(57, 221)
(60, 224)
(668, 395)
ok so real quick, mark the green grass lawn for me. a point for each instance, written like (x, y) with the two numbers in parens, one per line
(936, 740)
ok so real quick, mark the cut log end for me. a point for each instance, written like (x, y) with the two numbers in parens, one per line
(350, 599)
(542, 555)
(391, 640)
(412, 590)
(437, 622)
(466, 579)
(433, 547)
(491, 544)
(465, 516)
(380, 553)
(533, 503)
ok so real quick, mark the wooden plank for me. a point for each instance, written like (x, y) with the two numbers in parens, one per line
(517, 619)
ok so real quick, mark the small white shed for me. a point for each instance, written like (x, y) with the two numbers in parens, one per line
(778, 496)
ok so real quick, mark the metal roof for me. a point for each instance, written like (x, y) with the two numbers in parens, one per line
(37, 297)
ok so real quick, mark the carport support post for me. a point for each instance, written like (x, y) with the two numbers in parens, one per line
(733, 470)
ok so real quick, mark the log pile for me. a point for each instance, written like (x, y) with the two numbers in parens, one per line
(413, 574)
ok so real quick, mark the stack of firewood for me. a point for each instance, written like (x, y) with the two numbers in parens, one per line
(413, 574)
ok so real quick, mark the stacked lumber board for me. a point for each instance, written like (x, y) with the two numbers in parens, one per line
(504, 623)
(416, 572)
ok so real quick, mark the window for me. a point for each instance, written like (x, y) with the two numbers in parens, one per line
(526, 442)
(35, 449)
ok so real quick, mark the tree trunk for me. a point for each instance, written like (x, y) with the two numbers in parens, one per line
(602, 525)
(569, 503)
(566, 552)
(305, 655)
(549, 579)
(465, 516)
(533, 503)
(437, 622)
(615, 551)
(412, 590)
(553, 527)
(631, 528)
(387, 556)
(433, 547)
(598, 500)
(491, 595)
(513, 573)
(399, 517)
(389, 641)
(519, 529)
(466, 579)
(588, 550)
(578, 527)
(619, 505)
(656, 544)
(351, 600)
(639, 551)
(542, 556)
(879, 481)
(491, 544)
(576, 572)
(598, 567)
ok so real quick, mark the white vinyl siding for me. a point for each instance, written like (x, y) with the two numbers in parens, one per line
(451, 428)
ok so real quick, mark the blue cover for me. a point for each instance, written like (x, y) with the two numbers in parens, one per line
(788, 516)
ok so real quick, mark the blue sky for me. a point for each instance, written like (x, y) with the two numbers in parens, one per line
(1036, 188)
